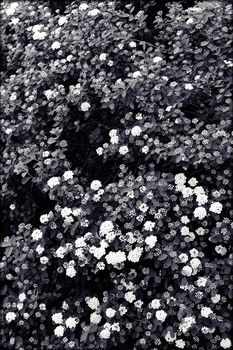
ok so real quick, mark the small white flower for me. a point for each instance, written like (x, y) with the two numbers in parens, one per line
(157, 59)
(186, 271)
(151, 240)
(216, 207)
(93, 12)
(83, 7)
(132, 44)
(110, 312)
(136, 74)
(54, 181)
(93, 302)
(96, 185)
(44, 260)
(49, 94)
(130, 297)
(57, 318)
(39, 35)
(145, 149)
(62, 20)
(68, 175)
(70, 271)
(22, 297)
(200, 213)
(155, 304)
(201, 282)
(135, 254)
(123, 150)
(206, 311)
(225, 343)
(136, 130)
(114, 258)
(193, 182)
(10, 316)
(183, 257)
(8, 131)
(180, 343)
(56, 45)
(99, 151)
(161, 315)
(195, 263)
(215, 299)
(11, 8)
(95, 318)
(37, 234)
(188, 87)
(85, 106)
(190, 21)
(13, 96)
(59, 331)
(71, 322)
(103, 57)
(105, 334)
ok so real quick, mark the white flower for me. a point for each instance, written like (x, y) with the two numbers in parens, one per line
(220, 250)
(8, 131)
(187, 192)
(37, 28)
(136, 130)
(135, 254)
(151, 240)
(66, 212)
(155, 304)
(122, 310)
(39, 249)
(136, 74)
(68, 175)
(183, 257)
(110, 312)
(157, 59)
(99, 151)
(132, 44)
(22, 297)
(93, 302)
(98, 252)
(59, 331)
(54, 181)
(161, 315)
(169, 338)
(70, 271)
(62, 20)
(195, 262)
(85, 106)
(71, 322)
(10, 316)
(83, 7)
(13, 96)
(96, 185)
(216, 207)
(80, 242)
(44, 260)
(103, 56)
(115, 258)
(187, 323)
(201, 282)
(225, 343)
(202, 199)
(188, 87)
(180, 343)
(56, 45)
(149, 225)
(57, 318)
(186, 271)
(11, 9)
(215, 299)
(60, 252)
(180, 179)
(200, 213)
(123, 150)
(193, 182)
(190, 21)
(145, 149)
(199, 190)
(130, 297)
(206, 311)
(105, 334)
(95, 318)
(37, 234)
(39, 35)
(49, 93)
(93, 12)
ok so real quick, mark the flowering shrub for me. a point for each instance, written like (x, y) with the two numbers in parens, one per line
(115, 177)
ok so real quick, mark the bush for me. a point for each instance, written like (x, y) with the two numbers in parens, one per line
(115, 176)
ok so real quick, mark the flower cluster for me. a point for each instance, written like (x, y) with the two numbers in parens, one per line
(115, 176)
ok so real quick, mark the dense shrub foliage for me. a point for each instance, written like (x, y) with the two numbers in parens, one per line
(115, 176)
